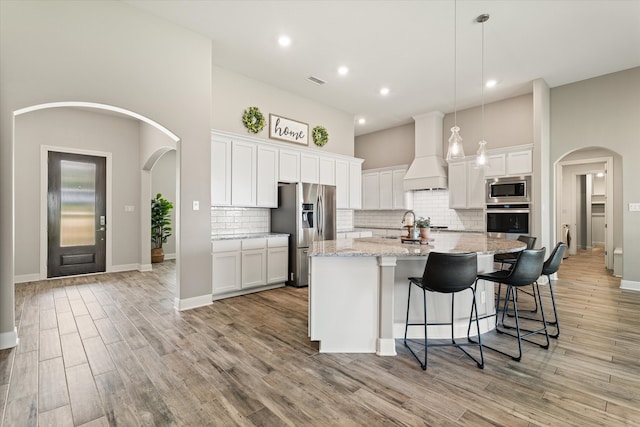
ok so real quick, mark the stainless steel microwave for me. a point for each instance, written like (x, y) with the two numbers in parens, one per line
(509, 190)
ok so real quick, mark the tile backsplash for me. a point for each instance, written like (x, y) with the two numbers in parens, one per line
(426, 203)
(225, 221)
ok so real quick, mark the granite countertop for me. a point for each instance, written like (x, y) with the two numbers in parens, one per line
(248, 236)
(449, 242)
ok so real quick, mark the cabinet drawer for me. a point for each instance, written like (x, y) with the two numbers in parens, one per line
(254, 244)
(277, 242)
(225, 246)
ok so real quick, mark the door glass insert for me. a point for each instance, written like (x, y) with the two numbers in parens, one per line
(77, 203)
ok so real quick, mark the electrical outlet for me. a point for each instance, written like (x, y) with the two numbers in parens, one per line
(634, 207)
(196, 205)
(482, 297)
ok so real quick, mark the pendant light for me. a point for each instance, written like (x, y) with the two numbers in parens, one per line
(456, 148)
(481, 154)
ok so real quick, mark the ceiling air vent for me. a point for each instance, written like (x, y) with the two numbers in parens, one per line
(316, 80)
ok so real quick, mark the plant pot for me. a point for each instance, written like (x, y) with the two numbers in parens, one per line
(157, 255)
(424, 233)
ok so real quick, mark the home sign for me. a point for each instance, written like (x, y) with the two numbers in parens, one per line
(288, 130)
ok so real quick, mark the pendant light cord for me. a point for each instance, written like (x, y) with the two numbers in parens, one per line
(482, 77)
(455, 63)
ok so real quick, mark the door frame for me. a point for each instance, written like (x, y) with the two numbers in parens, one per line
(44, 185)
(610, 225)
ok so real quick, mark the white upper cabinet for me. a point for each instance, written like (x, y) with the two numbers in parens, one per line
(466, 185)
(309, 168)
(371, 191)
(327, 171)
(519, 162)
(386, 190)
(289, 166)
(383, 189)
(243, 173)
(509, 162)
(355, 185)
(267, 177)
(496, 165)
(221, 171)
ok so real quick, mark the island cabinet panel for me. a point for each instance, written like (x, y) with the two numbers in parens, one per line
(220, 171)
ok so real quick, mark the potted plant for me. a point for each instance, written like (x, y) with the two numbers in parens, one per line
(423, 224)
(160, 226)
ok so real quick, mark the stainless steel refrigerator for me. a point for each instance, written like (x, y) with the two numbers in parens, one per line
(308, 213)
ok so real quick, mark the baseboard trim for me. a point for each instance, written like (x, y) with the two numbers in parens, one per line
(630, 285)
(9, 339)
(24, 278)
(189, 303)
(123, 267)
(170, 256)
(145, 267)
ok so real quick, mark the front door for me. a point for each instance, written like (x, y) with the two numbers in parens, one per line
(76, 214)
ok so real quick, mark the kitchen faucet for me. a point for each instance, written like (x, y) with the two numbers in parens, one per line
(405, 216)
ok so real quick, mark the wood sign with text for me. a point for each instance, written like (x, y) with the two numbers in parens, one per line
(288, 130)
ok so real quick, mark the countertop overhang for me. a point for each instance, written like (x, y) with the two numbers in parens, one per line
(448, 242)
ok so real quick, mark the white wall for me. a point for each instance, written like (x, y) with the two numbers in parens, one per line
(603, 112)
(388, 147)
(163, 180)
(233, 93)
(108, 52)
(76, 129)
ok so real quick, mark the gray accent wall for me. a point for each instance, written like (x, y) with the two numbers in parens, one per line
(604, 112)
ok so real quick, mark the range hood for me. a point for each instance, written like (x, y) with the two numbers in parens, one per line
(429, 169)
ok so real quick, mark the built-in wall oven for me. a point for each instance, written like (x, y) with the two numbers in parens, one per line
(508, 220)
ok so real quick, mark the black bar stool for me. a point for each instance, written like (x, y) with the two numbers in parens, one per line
(525, 272)
(449, 274)
(509, 260)
(551, 266)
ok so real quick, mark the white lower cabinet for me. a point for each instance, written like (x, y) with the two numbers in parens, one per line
(227, 273)
(246, 265)
(277, 260)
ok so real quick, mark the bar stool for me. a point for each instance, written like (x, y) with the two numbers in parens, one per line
(510, 259)
(449, 274)
(525, 272)
(551, 266)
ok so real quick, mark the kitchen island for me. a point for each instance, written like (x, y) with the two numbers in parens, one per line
(358, 290)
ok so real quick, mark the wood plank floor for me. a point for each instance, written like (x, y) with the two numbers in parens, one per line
(111, 350)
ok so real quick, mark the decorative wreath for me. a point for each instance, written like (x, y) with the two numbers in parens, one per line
(320, 136)
(253, 120)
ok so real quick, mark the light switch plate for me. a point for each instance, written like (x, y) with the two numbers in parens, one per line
(634, 207)
(196, 205)
(129, 208)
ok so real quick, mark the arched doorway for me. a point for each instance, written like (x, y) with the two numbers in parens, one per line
(588, 201)
(148, 138)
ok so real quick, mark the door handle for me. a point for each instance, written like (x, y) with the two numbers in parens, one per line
(101, 229)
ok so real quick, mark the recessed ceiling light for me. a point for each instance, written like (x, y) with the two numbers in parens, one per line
(284, 41)
(384, 91)
(491, 83)
(343, 71)
(362, 121)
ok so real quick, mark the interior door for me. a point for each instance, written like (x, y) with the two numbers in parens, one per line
(76, 214)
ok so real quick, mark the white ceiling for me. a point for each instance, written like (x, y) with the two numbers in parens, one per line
(409, 47)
